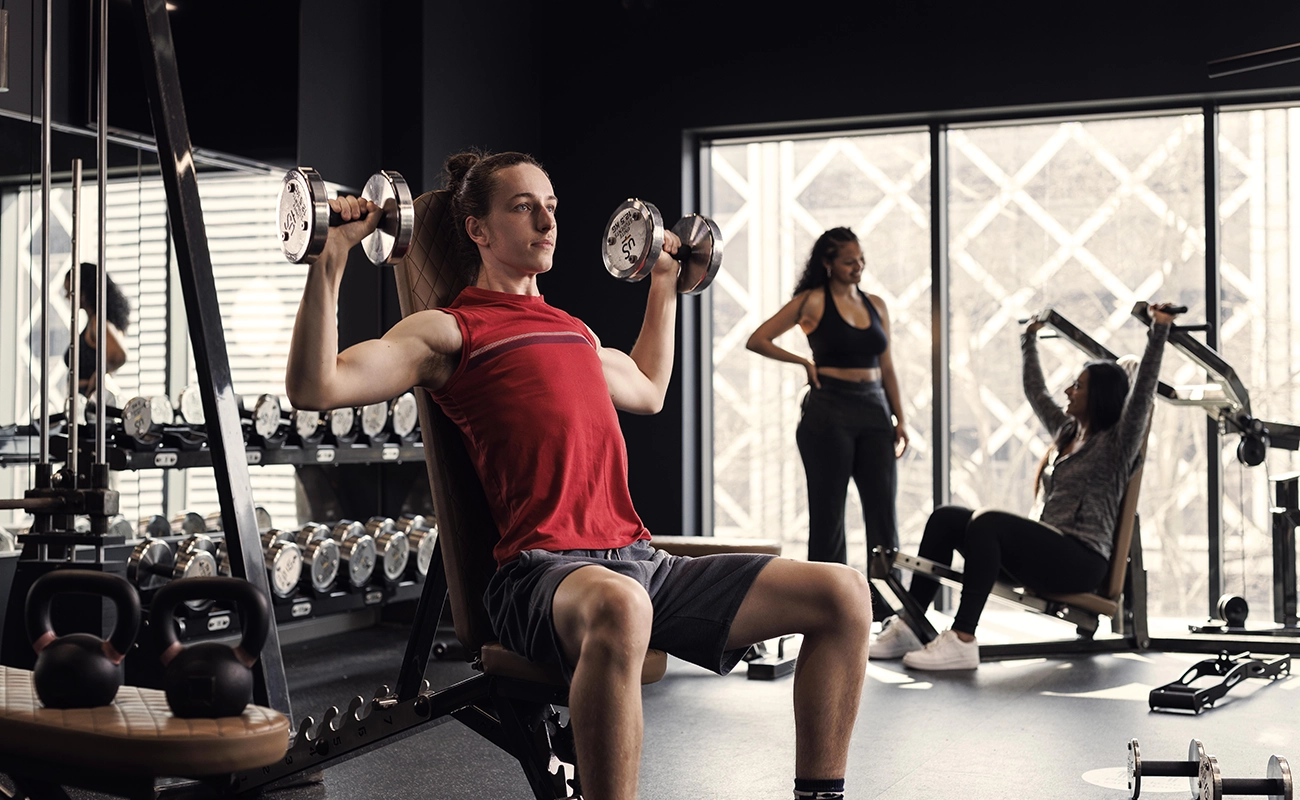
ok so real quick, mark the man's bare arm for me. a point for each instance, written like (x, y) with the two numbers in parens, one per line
(638, 383)
(418, 351)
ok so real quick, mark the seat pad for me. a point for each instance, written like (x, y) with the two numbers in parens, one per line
(504, 663)
(137, 735)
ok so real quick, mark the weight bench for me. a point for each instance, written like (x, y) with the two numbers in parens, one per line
(124, 748)
(1120, 597)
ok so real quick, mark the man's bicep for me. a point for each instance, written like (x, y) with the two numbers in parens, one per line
(406, 356)
(629, 387)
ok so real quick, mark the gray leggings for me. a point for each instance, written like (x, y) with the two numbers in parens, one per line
(846, 432)
(996, 545)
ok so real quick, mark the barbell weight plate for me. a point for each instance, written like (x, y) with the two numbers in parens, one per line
(1233, 609)
(303, 214)
(634, 238)
(150, 564)
(703, 238)
(406, 415)
(392, 238)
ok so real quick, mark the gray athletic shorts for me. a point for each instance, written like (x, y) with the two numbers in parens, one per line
(694, 600)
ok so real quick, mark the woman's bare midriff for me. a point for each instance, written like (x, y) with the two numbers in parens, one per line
(851, 374)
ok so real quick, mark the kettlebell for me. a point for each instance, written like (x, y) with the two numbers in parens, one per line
(80, 670)
(209, 679)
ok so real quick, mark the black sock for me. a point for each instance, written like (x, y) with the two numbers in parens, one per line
(822, 789)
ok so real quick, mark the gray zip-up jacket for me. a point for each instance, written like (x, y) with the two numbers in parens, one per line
(1081, 492)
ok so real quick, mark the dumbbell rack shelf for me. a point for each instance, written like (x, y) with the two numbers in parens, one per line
(219, 621)
(126, 459)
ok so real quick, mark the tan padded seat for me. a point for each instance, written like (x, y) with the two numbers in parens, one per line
(708, 545)
(508, 664)
(137, 734)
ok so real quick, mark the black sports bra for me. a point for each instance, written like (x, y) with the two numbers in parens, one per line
(836, 343)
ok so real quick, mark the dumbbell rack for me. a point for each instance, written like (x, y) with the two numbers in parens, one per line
(122, 458)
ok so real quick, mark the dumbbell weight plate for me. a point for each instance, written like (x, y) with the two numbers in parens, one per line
(704, 240)
(343, 424)
(391, 239)
(121, 526)
(307, 425)
(161, 410)
(137, 421)
(150, 564)
(405, 415)
(223, 558)
(422, 541)
(322, 563)
(357, 555)
(374, 418)
(634, 237)
(1279, 769)
(303, 214)
(153, 526)
(188, 523)
(263, 520)
(284, 564)
(191, 405)
(267, 416)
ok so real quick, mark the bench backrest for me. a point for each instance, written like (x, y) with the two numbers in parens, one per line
(430, 277)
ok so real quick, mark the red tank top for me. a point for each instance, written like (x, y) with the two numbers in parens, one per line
(530, 399)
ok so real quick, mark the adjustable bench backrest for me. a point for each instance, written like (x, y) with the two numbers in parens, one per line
(430, 277)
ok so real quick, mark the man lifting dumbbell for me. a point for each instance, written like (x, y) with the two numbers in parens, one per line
(577, 582)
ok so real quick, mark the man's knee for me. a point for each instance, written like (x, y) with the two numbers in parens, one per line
(616, 615)
(846, 600)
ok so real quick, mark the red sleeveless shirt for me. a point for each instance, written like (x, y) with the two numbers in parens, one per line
(531, 402)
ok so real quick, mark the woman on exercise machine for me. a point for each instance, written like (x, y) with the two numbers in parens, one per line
(1064, 545)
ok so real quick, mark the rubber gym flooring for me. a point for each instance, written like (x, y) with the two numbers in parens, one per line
(1046, 728)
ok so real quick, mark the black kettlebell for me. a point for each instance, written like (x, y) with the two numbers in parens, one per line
(80, 670)
(209, 679)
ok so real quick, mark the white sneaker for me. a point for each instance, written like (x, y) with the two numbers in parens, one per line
(894, 640)
(945, 652)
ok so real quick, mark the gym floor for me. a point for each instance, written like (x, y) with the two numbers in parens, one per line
(1038, 728)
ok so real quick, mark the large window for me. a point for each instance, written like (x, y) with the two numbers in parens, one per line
(1084, 215)
(772, 200)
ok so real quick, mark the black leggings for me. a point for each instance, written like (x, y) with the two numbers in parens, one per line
(1001, 545)
(846, 431)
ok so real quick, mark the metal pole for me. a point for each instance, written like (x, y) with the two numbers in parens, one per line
(1213, 443)
(101, 277)
(74, 379)
(941, 381)
(45, 236)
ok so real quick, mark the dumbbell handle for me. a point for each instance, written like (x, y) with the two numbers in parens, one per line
(336, 219)
(1253, 786)
(1170, 769)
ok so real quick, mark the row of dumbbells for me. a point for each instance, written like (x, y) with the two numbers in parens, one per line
(149, 422)
(317, 557)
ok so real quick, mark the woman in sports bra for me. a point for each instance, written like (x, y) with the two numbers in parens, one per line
(852, 424)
